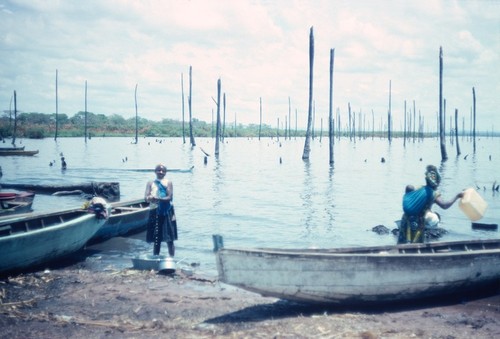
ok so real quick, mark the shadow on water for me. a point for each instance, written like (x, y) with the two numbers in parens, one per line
(284, 308)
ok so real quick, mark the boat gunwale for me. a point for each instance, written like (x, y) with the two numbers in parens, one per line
(406, 250)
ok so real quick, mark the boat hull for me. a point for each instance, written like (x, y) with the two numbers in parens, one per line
(18, 152)
(385, 274)
(126, 218)
(45, 241)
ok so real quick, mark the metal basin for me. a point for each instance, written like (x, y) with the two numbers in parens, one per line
(161, 263)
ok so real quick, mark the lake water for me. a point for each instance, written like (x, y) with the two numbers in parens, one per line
(261, 193)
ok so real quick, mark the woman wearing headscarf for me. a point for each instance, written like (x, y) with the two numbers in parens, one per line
(417, 207)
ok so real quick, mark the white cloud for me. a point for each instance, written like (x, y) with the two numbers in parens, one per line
(258, 48)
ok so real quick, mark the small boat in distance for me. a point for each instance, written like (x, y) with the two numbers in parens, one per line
(362, 275)
(28, 240)
(17, 152)
(13, 148)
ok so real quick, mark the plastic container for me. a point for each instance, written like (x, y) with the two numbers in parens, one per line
(472, 204)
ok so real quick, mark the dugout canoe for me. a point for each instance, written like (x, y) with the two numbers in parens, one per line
(126, 218)
(108, 190)
(12, 148)
(362, 275)
(15, 202)
(17, 152)
(29, 240)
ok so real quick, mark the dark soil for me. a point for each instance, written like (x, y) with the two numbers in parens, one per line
(80, 301)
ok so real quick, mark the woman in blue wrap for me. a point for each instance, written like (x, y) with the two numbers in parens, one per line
(162, 225)
(417, 207)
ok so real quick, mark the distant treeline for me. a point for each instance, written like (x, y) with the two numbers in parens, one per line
(42, 125)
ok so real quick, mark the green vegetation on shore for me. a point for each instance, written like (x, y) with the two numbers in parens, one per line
(41, 125)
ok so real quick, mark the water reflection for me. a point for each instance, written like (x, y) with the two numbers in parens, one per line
(330, 201)
(306, 195)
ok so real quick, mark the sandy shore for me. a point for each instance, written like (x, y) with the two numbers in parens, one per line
(80, 301)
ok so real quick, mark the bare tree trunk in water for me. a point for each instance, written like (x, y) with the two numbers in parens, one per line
(307, 144)
(85, 136)
(190, 100)
(57, 111)
(444, 156)
(136, 117)
(331, 124)
(456, 131)
(15, 120)
(474, 113)
(217, 124)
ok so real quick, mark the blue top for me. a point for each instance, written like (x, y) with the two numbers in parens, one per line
(163, 206)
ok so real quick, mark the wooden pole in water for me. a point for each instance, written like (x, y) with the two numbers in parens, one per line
(15, 120)
(474, 113)
(57, 111)
(85, 131)
(190, 100)
(444, 156)
(456, 131)
(307, 144)
(217, 125)
(136, 116)
(331, 124)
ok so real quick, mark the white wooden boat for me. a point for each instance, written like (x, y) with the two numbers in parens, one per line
(363, 275)
(28, 240)
(127, 217)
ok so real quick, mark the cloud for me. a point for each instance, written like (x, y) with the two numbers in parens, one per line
(259, 49)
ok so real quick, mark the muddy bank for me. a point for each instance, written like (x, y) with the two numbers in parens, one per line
(88, 300)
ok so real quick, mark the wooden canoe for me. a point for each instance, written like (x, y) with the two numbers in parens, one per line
(127, 217)
(17, 152)
(13, 202)
(12, 148)
(29, 240)
(108, 190)
(363, 275)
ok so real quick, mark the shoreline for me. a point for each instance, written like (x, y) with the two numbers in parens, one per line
(89, 299)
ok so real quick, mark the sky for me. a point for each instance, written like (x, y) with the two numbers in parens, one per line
(259, 50)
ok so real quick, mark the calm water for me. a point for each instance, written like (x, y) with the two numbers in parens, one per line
(261, 193)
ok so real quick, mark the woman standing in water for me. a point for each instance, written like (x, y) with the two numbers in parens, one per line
(162, 226)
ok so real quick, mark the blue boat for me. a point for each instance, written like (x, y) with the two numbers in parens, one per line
(126, 218)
